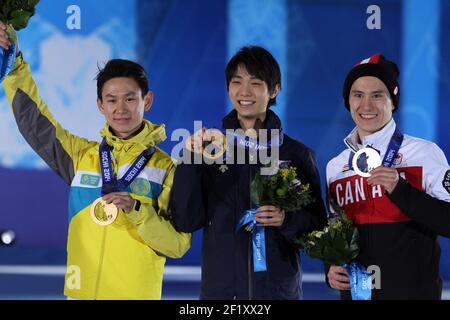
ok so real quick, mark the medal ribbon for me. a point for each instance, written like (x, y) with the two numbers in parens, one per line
(7, 58)
(249, 143)
(248, 222)
(360, 281)
(110, 182)
(391, 153)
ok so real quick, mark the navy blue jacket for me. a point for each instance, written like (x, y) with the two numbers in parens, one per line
(209, 197)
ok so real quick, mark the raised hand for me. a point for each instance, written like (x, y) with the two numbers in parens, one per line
(4, 39)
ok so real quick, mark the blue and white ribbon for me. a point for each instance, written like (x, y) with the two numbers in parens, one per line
(360, 281)
(110, 182)
(248, 222)
(392, 150)
(245, 142)
(7, 59)
(254, 144)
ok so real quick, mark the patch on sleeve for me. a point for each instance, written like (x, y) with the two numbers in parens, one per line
(446, 181)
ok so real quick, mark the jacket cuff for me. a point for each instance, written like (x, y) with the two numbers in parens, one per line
(135, 217)
(399, 190)
(18, 62)
(138, 214)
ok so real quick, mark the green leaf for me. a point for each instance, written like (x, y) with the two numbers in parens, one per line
(32, 3)
(19, 19)
(17, 12)
(254, 192)
(337, 246)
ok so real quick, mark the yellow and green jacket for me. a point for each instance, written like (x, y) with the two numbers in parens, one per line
(124, 260)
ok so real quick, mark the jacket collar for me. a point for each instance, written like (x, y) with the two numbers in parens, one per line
(231, 121)
(378, 140)
(150, 135)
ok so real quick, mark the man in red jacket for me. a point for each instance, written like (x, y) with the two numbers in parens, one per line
(397, 232)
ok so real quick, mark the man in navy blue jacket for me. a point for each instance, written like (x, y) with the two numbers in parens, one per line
(214, 197)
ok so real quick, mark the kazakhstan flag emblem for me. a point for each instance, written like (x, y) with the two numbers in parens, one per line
(141, 187)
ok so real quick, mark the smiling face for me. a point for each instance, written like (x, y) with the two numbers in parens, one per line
(370, 105)
(249, 95)
(123, 106)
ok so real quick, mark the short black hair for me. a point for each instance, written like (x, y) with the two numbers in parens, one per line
(118, 68)
(259, 63)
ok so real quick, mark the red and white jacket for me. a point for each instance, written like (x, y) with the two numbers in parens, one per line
(420, 162)
(405, 249)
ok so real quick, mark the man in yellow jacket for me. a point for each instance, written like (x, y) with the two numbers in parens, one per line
(120, 230)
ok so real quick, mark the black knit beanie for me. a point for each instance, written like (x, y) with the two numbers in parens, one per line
(379, 67)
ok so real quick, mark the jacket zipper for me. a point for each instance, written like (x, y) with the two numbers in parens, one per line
(99, 273)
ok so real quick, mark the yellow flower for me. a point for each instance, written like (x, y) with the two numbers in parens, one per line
(313, 233)
(284, 174)
(288, 174)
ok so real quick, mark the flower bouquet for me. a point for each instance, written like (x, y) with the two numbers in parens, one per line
(338, 244)
(15, 14)
(282, 189)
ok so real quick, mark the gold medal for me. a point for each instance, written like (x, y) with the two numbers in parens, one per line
(102, 213)
(214, 143)
(218, 145)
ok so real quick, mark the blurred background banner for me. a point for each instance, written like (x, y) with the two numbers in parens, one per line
(185, 45)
